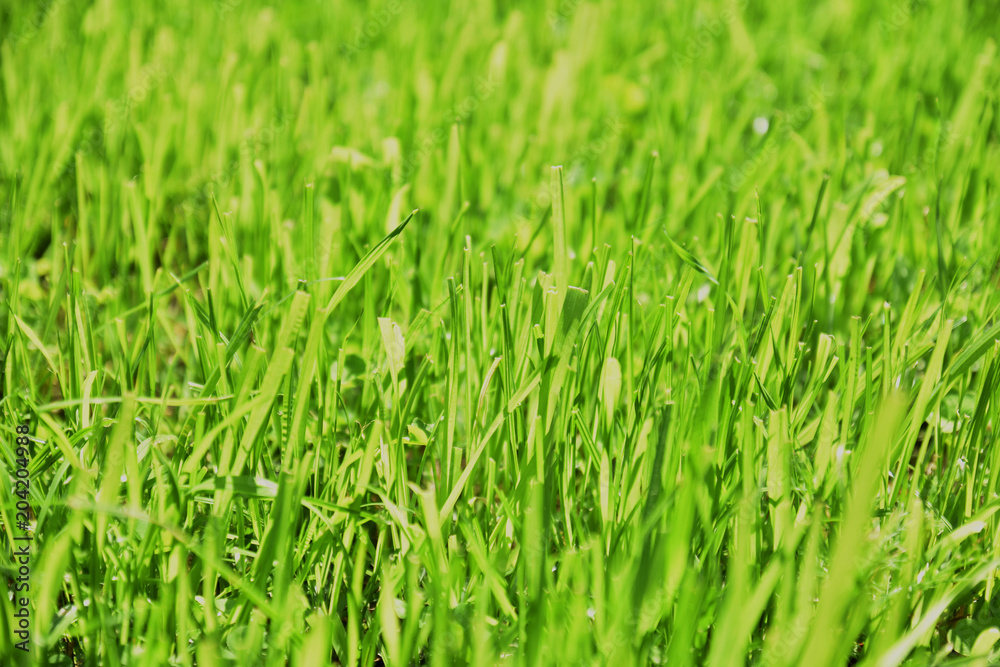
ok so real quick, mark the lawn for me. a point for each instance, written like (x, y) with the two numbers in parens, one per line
(576, 332)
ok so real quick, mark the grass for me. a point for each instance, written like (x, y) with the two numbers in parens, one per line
(326, 359)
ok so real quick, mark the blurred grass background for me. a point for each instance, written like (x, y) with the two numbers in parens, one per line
(186, 188)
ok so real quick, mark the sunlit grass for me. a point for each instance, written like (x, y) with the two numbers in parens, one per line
(573, 333)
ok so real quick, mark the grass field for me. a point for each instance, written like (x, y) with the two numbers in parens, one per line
(574, 332)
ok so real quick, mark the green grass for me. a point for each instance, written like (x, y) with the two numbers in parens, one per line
(576, 332)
